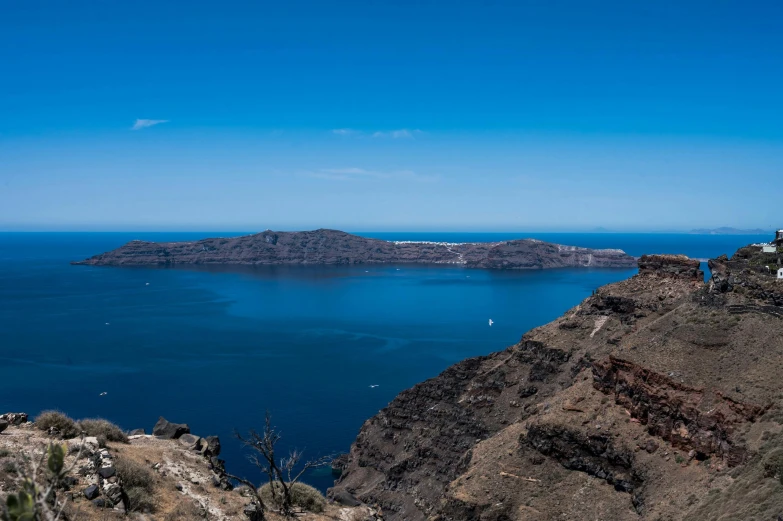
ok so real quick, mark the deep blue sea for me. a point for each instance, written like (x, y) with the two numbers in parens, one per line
(216, 348)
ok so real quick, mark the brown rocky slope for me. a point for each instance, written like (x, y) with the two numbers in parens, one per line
(657, 398)
(171, 475)
(332, 247)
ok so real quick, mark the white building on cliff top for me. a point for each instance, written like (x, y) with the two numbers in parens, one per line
(780, 273)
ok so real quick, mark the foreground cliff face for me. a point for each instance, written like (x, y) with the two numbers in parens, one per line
(331, 247)
(658, 397)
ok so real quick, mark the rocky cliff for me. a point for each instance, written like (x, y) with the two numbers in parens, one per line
(169, 475)
(331, 247)
(657, 398)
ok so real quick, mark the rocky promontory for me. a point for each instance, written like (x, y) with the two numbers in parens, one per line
(169, 474)
(657, 398)
(332, 247)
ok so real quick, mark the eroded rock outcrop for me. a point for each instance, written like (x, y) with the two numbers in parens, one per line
(678, 266)
(595, 454)
(688, 418)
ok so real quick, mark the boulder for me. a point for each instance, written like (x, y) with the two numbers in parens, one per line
(3, 425)
(113, 492)
(169, 431)
(92, 492)
(106, 472)
(69, 482)
(213, 446)
(137, 432)
(253, 512)
(100, 502)
(191, 441)
(345, 498)
(217, 464)
(14, 418)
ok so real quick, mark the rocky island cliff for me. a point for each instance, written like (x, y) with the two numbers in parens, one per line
(332, 247)
(658, 398)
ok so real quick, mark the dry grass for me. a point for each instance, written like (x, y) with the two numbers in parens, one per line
(185, 511)
(100, 427)
(755, 493)
(58, 420)
(134, 474)
(302, 495)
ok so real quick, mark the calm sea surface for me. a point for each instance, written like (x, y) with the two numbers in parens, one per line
(217, 348)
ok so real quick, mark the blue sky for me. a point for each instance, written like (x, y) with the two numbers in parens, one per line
(373, 115)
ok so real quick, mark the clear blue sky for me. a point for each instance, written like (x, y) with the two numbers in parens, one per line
(372, 115)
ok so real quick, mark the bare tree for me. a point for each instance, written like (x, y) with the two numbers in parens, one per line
(283, 473)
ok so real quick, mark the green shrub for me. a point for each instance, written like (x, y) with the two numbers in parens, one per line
(302, 495)
(679, 459)
(100, 427)
(60, 421)
(134, 475)
(4, 453)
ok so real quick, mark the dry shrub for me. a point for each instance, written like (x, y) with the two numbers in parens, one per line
(302, 495)
(140, 500)
(133, 474)
(100, 427)
(139, 484)
(58, 420)
(185, 511)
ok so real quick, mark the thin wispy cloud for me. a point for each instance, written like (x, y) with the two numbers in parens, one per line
(402, 133)
(145, 123)
(358, 174)
(345, 131)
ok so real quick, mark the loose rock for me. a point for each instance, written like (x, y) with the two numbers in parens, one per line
(92, 492)
(170, 431)
(213, 446)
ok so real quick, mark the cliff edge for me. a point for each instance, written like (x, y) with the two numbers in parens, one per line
(657, 398)
(332, 247)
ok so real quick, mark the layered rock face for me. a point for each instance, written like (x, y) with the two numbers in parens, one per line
(678, 266)
(331, 247)
(658, 397)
